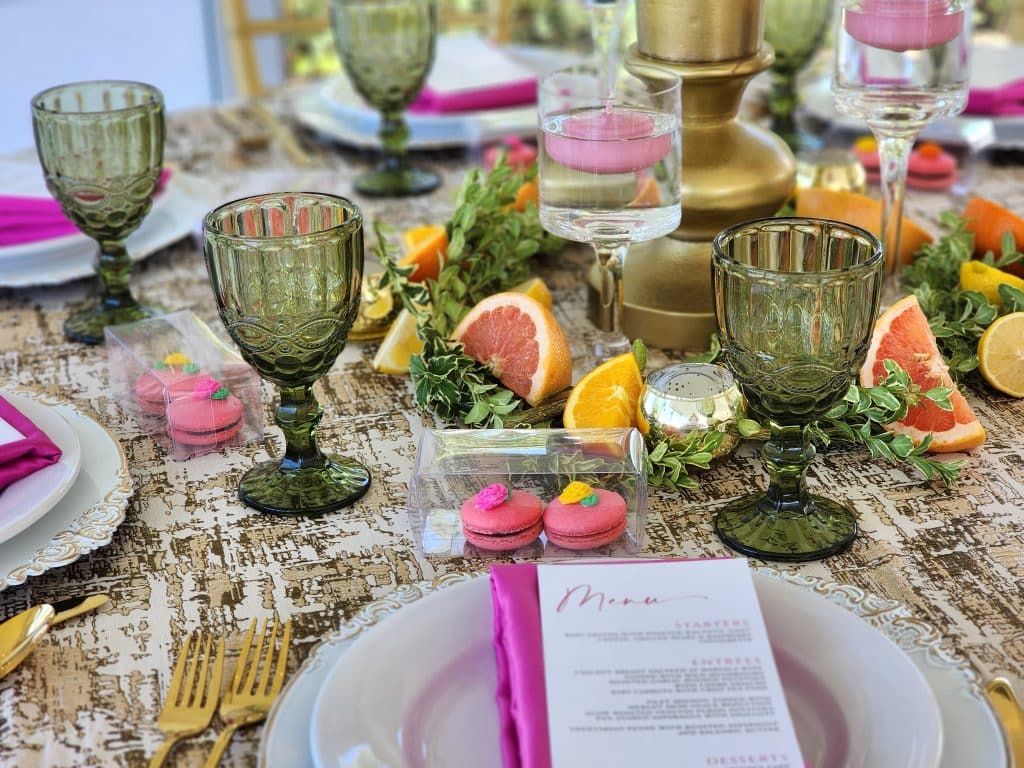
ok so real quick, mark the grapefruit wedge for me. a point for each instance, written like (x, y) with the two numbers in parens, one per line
(902, 334)
(521, 343)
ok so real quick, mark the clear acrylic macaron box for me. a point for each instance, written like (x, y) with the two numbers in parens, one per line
(551, 493)
(183, 385)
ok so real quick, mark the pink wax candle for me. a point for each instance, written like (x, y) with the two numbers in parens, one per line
(602, 141)
(904, 25)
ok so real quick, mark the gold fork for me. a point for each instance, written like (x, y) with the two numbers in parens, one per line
(191, 701)
(248, 699)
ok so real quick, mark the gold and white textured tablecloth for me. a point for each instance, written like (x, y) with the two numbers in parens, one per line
(190, 555)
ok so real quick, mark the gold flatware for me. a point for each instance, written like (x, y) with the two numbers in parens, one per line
(282, 133)
(192, 696)
(1004, 701)
(20, 634)
(249, 698)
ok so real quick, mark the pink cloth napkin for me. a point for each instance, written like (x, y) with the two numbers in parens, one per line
(21, 458)
(1001, 102)
(33, 219)
(512, 94)
(522, 699)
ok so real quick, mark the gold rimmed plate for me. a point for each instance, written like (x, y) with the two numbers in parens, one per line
(86, 517)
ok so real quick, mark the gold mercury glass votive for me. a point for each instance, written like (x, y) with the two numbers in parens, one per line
(835, 169)
(691, 397)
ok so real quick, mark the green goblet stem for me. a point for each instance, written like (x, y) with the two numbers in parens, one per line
(298, 415)
(783, 101)
(114, 267)
(787, 454)
(394, 138)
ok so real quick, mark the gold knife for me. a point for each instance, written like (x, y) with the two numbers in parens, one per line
(1004, 701)
(20, 634)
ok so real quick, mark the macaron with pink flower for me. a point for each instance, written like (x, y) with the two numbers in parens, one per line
(208, 416)
(501, 519)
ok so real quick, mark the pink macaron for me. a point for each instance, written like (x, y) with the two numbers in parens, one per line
(170, 378)
(584, 518)
(210, 415)
(931, 167)
(865, 149)
(500, 519)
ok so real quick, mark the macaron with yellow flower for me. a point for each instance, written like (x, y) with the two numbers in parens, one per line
(172, 376)
(583, 517)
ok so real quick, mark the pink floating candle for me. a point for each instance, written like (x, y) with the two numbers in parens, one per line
(904, 25)
(599, 141)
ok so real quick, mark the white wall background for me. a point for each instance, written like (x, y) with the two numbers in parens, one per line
(174, 44)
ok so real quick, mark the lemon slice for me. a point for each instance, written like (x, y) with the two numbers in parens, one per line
(976, 276)
(1001, 354)
(535, 288)
(400, 343)
(376, 303)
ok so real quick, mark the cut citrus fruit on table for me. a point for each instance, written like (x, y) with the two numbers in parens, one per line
(528, 193)
(520, 341)
(976, 276)
(399, 344)
(424, 247)
(1001, 354)
(902, 334)
(375, 303)
(607, 396)
(989, 221)
(535, 288)
(647, 193)
(861, 211)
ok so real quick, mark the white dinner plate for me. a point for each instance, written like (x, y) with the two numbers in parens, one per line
(86, 518)
(28, 499)
(176, 212)
(965, 713)
(334, 110)
(414, 693)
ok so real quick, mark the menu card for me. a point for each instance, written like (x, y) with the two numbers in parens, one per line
(661, 664)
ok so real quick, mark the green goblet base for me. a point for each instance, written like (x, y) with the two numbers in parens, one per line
(752, 525)
(402, 181)
(310, 490)
(87, 326)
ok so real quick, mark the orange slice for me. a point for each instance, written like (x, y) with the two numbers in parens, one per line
(607, 396)
(902, 334)
(520, 341)
(988, 221)
(861, 211)
(425, 247)
(528, 193)
(647, 194)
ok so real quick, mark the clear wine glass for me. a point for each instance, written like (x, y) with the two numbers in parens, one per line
(609, 169)
(899, 65)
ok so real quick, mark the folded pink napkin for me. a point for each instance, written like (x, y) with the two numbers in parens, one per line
(513, 94)
(1003, 101)
(20, 458)
(33, 219)
(519, 652)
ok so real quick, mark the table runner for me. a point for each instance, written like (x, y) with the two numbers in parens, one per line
(191, 556)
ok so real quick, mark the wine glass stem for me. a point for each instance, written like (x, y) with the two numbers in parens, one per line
(610, 259)
(394, 136)
(894, 154)
(787, 454)
(115, 268)
(298, 414)
(783, 106)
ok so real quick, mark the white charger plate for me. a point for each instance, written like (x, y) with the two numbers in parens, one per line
(176, 212)
(416, 694)
(86, 518)
(978, 739)
(28, 499)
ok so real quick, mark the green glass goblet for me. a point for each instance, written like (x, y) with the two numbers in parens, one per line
(101, 145)
(387, 49)
(794, 29)
(795, 302)
(286, 271)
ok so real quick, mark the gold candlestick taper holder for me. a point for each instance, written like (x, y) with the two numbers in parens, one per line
(731, 170)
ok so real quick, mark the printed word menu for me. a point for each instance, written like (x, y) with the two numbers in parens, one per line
(662, 663)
